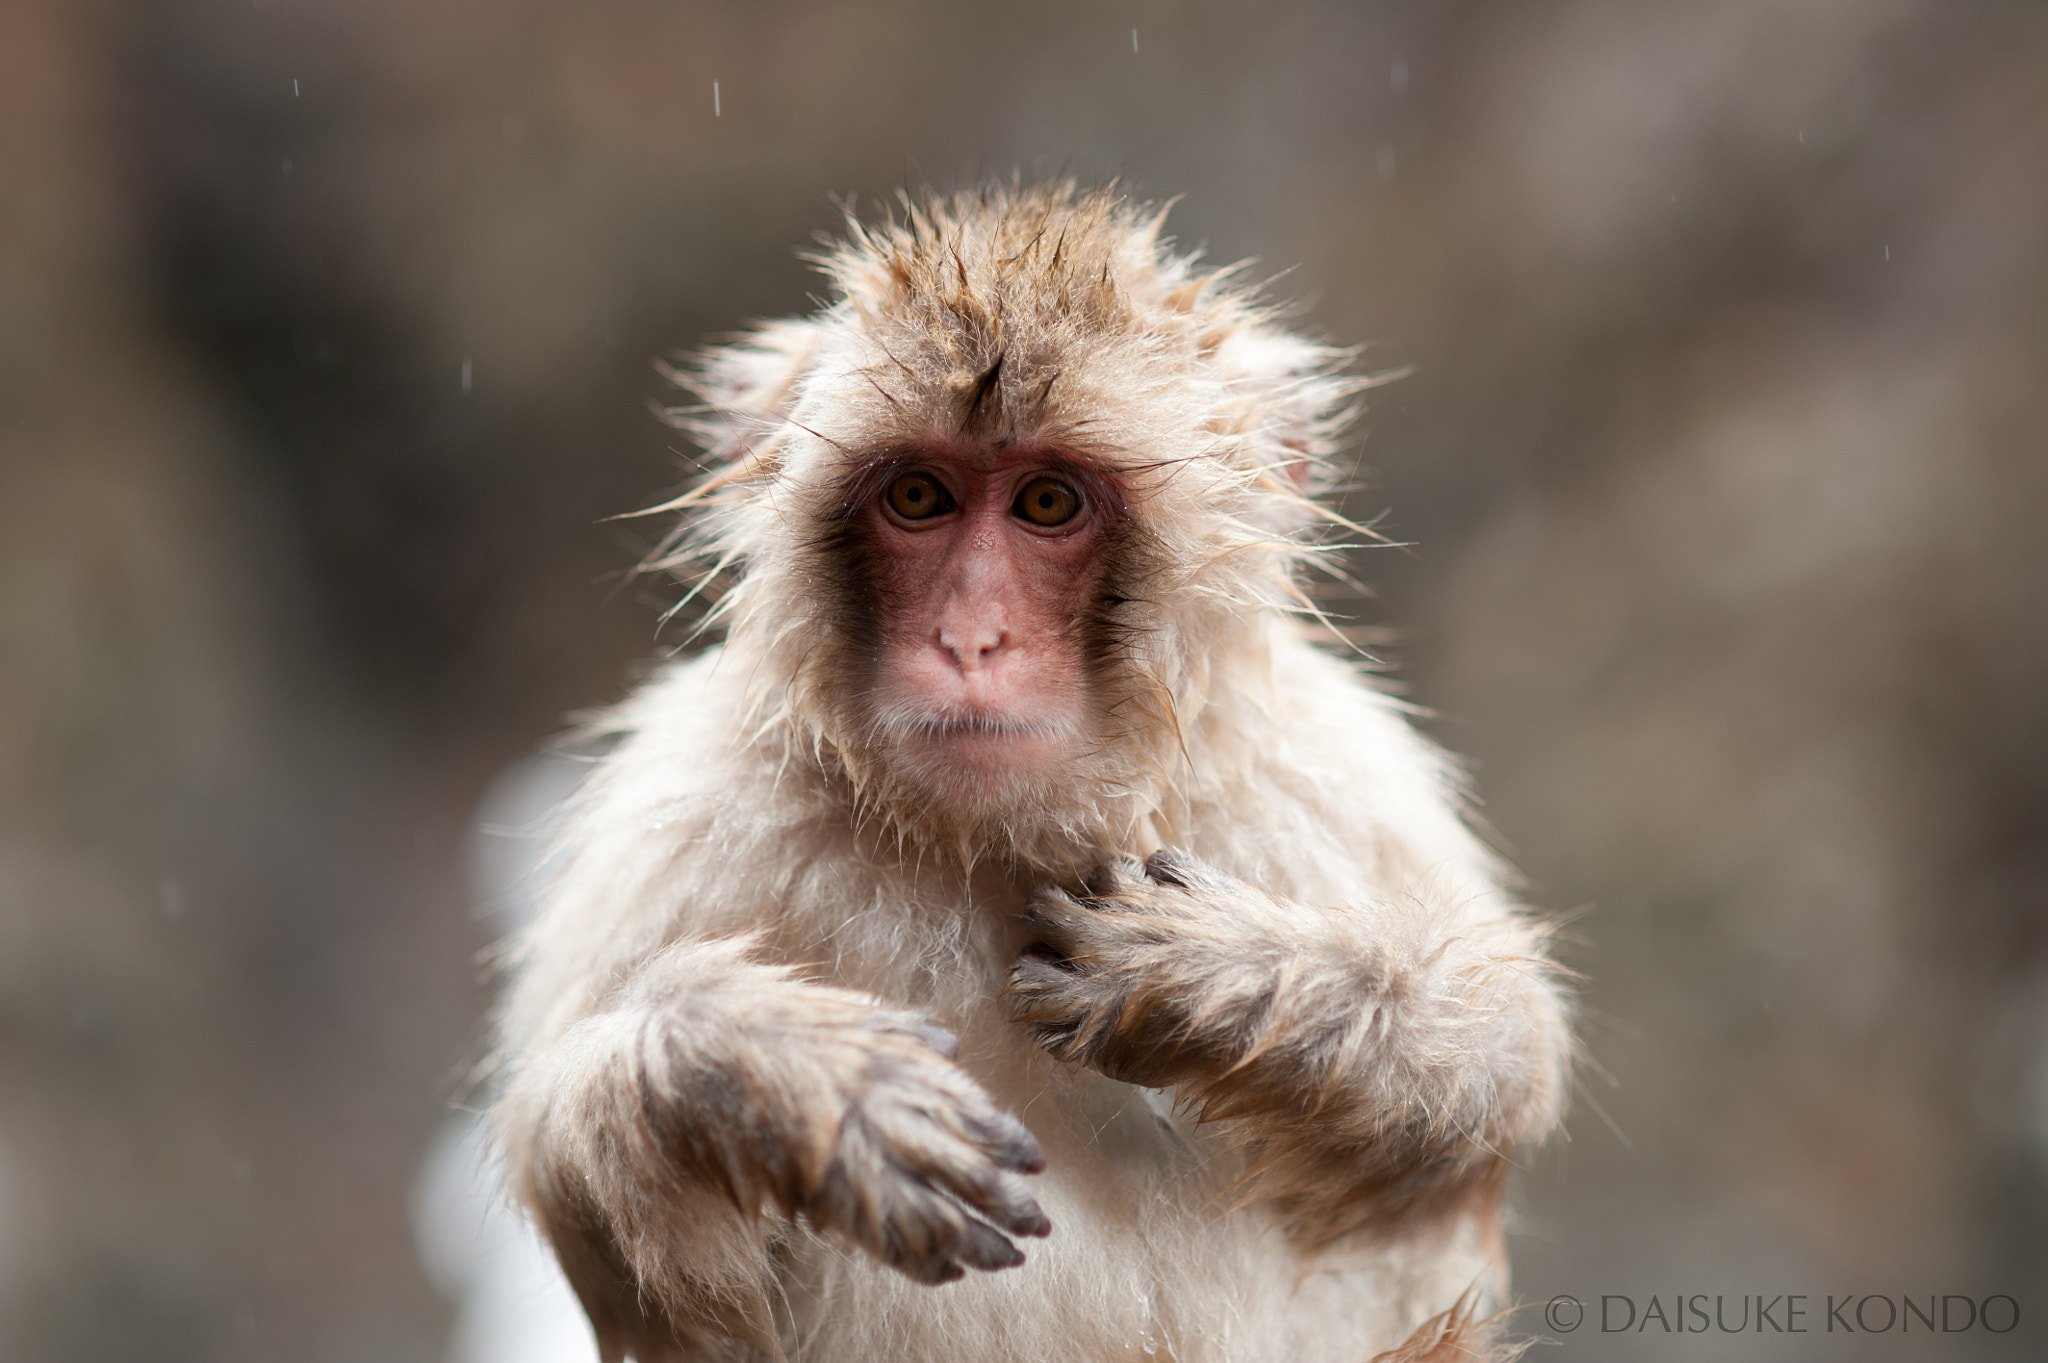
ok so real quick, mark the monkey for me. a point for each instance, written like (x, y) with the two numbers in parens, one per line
(1017, 937)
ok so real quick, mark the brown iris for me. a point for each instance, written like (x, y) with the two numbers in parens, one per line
(1047, 501)
(916, 496)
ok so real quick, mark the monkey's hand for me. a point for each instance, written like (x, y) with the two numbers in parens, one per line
(716, 1087)
(1174, 974)
(1376, 1059)
(889, 1144)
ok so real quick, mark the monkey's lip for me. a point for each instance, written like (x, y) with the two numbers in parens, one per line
(990, 726)
(980, 757)
(986, 735)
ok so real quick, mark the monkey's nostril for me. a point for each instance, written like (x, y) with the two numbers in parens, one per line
(971, 647)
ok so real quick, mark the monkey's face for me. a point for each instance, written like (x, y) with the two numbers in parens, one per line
(983, 567)
(1005, 515)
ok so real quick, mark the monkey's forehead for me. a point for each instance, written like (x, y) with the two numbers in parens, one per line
(1020, 317)
(1119, 400)
(1028, 282)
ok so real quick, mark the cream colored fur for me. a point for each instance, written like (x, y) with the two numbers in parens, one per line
(719, 1047)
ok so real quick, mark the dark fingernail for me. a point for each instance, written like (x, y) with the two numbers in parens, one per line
(1105, 878)
(1050, 897)
(1166, 867)
(1025, 1155)
(1022, 1217)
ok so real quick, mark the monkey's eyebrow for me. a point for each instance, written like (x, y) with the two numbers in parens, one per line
(843, 449)
(887, 396)
(866, 476)
(971, 408)
(1045, 392)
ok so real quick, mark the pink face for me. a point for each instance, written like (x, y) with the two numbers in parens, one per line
(988, 563)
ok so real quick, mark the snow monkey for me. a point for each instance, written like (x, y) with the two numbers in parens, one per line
(1017, 940)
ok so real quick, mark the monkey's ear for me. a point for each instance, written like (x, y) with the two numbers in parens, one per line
(1293, 400)
(745, 390)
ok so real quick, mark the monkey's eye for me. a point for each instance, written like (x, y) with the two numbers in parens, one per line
(917, 496)
(1047, 501)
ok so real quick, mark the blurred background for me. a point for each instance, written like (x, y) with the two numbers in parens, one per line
(325, 342)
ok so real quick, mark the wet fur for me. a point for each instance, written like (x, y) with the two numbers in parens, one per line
(783, 1051)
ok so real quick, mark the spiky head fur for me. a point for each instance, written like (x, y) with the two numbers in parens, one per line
(1046, 316)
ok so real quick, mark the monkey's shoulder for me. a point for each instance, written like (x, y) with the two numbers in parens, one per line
(1325, 788)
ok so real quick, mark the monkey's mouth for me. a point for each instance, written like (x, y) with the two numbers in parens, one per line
(973, 746)
(999, 727)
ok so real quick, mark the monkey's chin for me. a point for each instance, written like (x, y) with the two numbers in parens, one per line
(982, 761)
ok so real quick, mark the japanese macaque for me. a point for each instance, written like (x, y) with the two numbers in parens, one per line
(1017, 940)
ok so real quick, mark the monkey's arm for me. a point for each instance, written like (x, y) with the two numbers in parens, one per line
(1382, 1061)
(651, 1136)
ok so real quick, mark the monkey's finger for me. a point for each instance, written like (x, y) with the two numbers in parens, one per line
(998, 1196)
(959, 1166)
(1007, 1141)
(939, 1039)
(925, 1032)
(1020, 1215)
(919, 1245)
(1041, 982)
(1050, 901)
(1043, 985)
(984, 1247)
(1044, 955)
(1054, 947)
(1165, 866)
(967, 1119)
(929, 1238)
(1183, 872)
(1011, 1149)
(1097, 931)
(938, 1109)
(1057, 1021)
(1060, 920)
(1113, 875)
(931, 1272)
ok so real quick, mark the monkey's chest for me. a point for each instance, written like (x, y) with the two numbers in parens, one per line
(1136, 1129)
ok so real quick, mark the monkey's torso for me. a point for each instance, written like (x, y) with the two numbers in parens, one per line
(1153, 1254)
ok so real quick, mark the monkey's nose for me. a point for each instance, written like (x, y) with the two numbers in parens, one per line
(972, 648)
